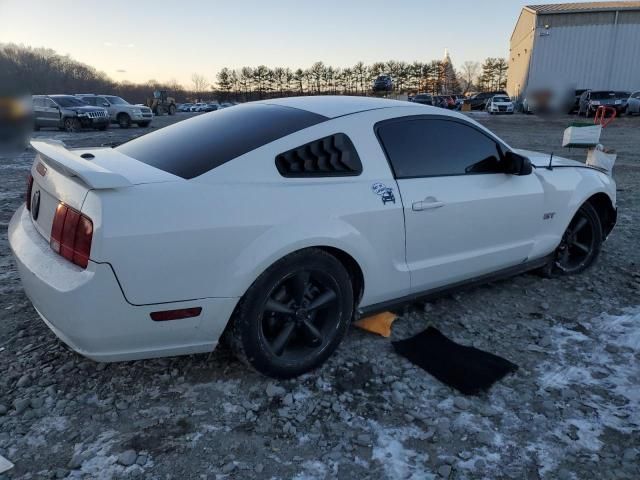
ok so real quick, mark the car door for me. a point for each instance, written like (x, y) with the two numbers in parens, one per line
(463, 218)
(50, 113)
(104, 103)
(38, 112)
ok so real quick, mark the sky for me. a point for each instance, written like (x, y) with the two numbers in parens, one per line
(141, 40)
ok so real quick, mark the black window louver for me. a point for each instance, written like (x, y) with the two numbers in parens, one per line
(332, 156)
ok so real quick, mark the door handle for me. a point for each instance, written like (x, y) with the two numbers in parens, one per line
(428, 203)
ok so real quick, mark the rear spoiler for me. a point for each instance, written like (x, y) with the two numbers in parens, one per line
(73, 165)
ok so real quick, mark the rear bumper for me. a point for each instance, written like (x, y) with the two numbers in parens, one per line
(87, 310)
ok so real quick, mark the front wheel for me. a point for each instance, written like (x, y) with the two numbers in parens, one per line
(580, 244)
(172, 109)
(294, 315)
(72, 124)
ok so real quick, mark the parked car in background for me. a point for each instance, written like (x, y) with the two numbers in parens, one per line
(301, 241)
(500, 104)
(120, 111)
(383, 83)
(633, 103)
(197, 107)
(576, 104)
(479, 100)
(590, 100)
(185, 107)
(67, 112)
(459, 101)
(440, 101)
(422, 98)
(210, 107)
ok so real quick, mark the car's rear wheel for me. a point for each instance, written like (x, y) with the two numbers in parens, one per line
(580, 244)
(124, 120)
(294, 315)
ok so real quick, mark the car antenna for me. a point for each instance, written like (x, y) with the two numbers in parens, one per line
(549, 167)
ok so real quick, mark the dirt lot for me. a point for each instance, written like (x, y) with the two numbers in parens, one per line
(572, 411)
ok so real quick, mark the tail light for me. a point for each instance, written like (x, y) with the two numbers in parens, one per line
(71, 235)
(29, 189)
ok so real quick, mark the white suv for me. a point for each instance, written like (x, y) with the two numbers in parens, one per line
(120, 111)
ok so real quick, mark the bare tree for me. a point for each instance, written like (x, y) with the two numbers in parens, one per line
(469, 75)
(200, 85)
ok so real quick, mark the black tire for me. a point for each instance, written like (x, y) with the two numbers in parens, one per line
(276, 329)
(144, 124)
(36, 127)
(580, 244)
(124, 120)
(172, 109)
(71, 124)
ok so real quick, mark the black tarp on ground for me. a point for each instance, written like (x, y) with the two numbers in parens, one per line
(467, 369)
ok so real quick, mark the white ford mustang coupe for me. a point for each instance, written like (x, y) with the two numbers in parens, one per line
(277, 222)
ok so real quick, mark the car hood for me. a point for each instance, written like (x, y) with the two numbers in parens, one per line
(540, 159)
(86, 109)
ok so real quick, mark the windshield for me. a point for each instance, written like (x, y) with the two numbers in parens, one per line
(501, 99)
(69, 101)
(116, 100)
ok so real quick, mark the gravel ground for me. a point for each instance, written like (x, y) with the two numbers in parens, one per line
(572, 410)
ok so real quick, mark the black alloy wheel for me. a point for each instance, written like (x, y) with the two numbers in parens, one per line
(300, 314)
(294, 315)
(581, 242)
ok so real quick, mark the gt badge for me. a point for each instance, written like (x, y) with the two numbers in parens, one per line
(385, 193)
(548, 215)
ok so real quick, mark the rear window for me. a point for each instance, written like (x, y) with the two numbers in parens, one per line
(195, 146)
(602, 95)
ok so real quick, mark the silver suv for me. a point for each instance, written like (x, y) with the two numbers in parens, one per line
(120, 111)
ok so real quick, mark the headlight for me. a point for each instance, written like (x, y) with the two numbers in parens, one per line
(136, 111)
(81, 114)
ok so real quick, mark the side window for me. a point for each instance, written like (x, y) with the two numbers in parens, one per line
(433, 147)
(98, 101)
(332, 156)
(49, 103)
(636, 95)
(37, 102)
(89, 100)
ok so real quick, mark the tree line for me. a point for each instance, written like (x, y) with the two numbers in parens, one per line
(320, 79)
(43, 71)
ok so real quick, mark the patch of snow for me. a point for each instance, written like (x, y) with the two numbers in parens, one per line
(397, 460)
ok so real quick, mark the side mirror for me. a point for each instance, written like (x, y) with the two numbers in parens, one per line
(515, 164)
(106, 104)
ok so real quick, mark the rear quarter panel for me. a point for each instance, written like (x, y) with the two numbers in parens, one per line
(212, 236)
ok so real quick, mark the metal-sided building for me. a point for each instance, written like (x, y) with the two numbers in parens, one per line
(592, 45)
